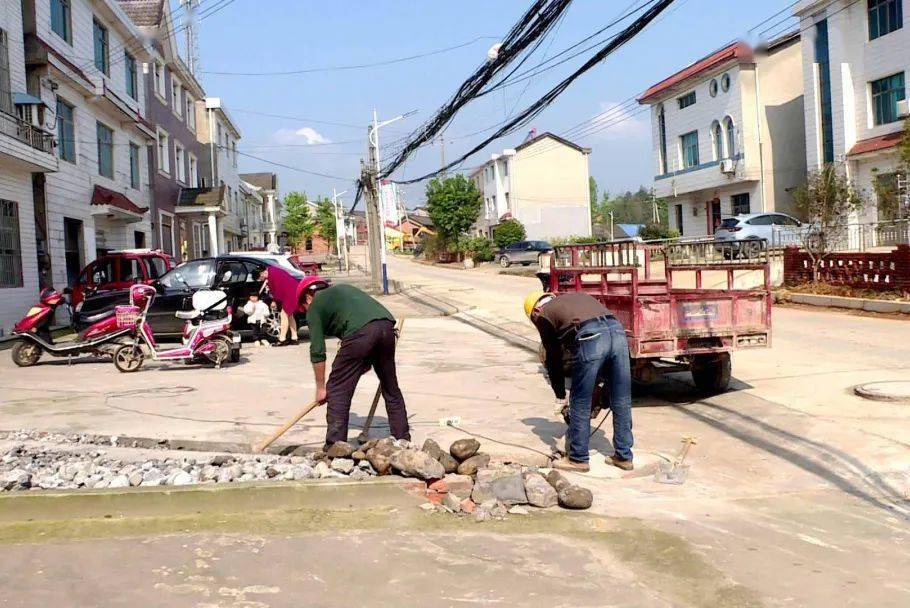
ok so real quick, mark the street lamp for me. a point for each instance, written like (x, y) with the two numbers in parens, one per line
(374, 141)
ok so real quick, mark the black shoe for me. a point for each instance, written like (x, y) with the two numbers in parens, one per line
(294, 342)
(282, 343)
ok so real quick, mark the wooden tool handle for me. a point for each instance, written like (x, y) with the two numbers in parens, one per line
(284, 429)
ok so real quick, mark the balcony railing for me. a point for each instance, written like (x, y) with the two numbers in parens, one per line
(17, 128)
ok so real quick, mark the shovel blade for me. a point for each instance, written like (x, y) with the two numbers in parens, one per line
(671, 473)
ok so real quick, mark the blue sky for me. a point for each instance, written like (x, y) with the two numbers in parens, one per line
(285, 35)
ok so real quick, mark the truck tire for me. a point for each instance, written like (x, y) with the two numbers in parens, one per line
(25, 354)
(711, 373)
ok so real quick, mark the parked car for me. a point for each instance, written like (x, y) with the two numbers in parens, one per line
(746, 230)
(118, 270)
(522, 252)
(285, 260)
(237, 275)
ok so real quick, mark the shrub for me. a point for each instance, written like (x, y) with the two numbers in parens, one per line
(654, 232)
(508, 232)
(479, 248)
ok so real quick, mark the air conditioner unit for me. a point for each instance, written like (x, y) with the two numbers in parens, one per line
(903, 108)
(727, 166)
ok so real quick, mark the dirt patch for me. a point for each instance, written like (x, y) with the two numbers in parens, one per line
(844, 291)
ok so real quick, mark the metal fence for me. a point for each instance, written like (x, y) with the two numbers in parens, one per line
(27, 133)
(852, 237)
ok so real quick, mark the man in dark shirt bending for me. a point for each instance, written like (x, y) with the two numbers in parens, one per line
(367, 332)
(596, 340)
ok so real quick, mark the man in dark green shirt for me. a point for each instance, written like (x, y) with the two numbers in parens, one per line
(367, 332)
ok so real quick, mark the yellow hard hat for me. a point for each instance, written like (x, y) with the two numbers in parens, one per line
(531, 301)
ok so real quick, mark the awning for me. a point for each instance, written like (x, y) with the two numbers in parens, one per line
(875, 144)
(24, 99)
(108, 202)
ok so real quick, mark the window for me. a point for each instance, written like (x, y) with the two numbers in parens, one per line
(885, 16)
(132, 76)
(66, 131)
(164, 156)
(6, 91)
(761, 220)
(72, 249)
(712, 88)
(886, 92)
(232, 272)
(176, 102)
(61, 20)
(679, 219)
(740, 203)
(193, 175)
(662, 133)
(725, 82)
(105, 137)
(134, 166)
(10, 247)
(824, 87)
(102, 60)
(197, 274)
(234, 153)
(191, 112)
(730, 129)
(717, 140)
(686, 100)
(180, 163)
(159, 81)
(689, 145)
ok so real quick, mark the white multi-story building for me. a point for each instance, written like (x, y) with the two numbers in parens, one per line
(252, 220)
(84, 61)
(728, 134)
(856, 67)
(26, 155)
(543, 183)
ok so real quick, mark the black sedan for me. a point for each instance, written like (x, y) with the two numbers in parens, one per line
(237, 276)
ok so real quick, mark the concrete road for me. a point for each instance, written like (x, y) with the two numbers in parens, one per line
(797, 490)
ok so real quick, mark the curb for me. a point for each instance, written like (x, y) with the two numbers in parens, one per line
(867, 305)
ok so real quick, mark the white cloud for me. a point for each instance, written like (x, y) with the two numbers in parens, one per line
(620, 120)
(304, 135)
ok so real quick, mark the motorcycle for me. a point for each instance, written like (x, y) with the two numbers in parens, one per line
(206, 335)
(102, 337)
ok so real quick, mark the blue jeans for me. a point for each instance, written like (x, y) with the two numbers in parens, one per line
(600, 345)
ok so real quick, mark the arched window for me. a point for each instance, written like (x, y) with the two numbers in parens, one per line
(717, 140)
(731, 137)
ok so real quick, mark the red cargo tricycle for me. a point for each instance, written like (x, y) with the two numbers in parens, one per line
(685, 305)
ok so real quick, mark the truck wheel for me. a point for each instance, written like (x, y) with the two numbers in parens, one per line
(711, 373)
(504, 261)
(26, 354)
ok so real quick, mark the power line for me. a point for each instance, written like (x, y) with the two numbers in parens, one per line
(298, 169)
(361, 66)
(313, 120)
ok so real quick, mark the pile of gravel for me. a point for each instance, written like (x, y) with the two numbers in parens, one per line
(458, 480)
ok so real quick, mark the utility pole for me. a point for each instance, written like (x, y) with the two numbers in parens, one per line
(192, 36)
(442, 155)
(371, 196)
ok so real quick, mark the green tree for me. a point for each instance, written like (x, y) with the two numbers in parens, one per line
(592, 200)
(298, 223)
(453, 205)
(325, 221)
(479, 248)
(826, 201)
(508, 232)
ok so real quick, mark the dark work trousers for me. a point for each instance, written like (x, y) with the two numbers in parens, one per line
(373, 345)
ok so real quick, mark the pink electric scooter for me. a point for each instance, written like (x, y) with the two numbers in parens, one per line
(205, 340)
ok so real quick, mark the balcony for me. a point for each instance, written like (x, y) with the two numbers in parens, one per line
(26, 144)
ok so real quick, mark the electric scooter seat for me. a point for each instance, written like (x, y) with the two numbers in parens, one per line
(187, 314)
(205, 301)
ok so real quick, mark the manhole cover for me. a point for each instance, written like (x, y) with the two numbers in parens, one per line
(895, 391)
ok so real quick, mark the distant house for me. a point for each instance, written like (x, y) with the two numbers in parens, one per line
(416, 228)
(626, 231)
(543, 183)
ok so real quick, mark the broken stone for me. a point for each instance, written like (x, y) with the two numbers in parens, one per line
(432, 448)
(463, 449)
(468, 505)
(540, 493)
(519, 510)
(557, 480)
(17, 479)
(302, 472)
(153, 477)
(453, 502)
(343, 465)
(428, 507)
(448, 463)
(458, 484)
(368, 445)
(323, 470)
(340, 449)
(219, 460)
(470, 466)
(414, 463)
(271, 472)
(358, 455)
(182, 478)
(120, 481)
(575, 497)
(510, 490)
(135, 478)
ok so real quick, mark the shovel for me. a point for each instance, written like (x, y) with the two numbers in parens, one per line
(675, 472)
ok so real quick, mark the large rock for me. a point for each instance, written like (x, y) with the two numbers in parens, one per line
(464, 449)
(470, 466)
(483, 484)
(539, 492)
(219, 460)
(510, 490)
(17, 479)
(458, 484)
(432, 448)
(380, 461)
(416, 463)
(448, 463)
(340, 449)
(575, 497)
(120, 481)
(557, 480)
(343, 465)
